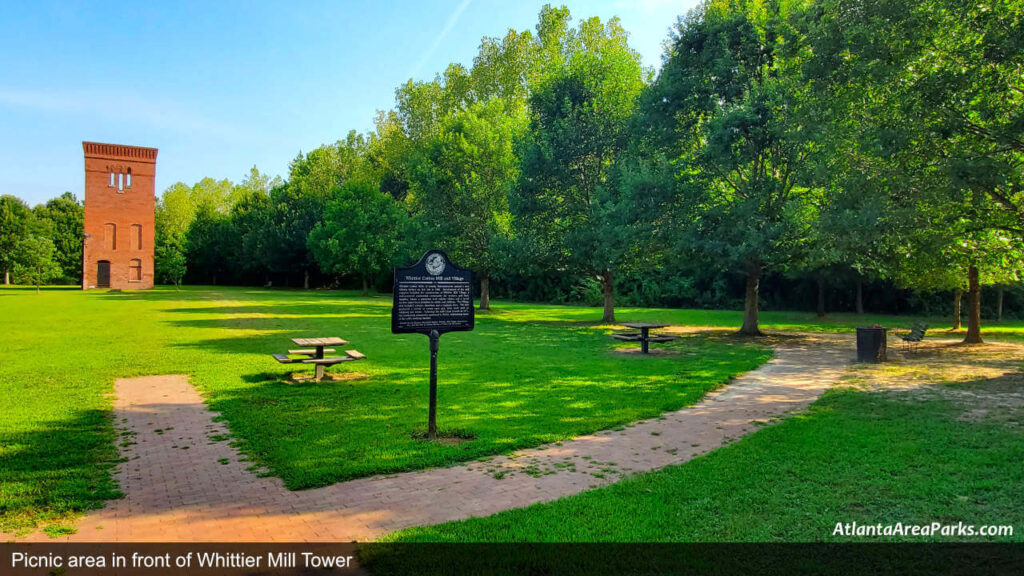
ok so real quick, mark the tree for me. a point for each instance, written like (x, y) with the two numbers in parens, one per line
(63, 219)
(729, 110)
(579, 118)
(460, 187)
(34, 261)
(180, 203)
(942, 93)
(170, 263)
(358, 234)
(206, 246)
(298, 205)
(251, 240)
(15, 224)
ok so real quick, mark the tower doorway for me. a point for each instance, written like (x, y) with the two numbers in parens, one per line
(103, 274)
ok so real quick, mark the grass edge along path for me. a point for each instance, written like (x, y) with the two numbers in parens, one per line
(859, 456)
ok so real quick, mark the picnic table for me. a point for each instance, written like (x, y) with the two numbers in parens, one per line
(314, 350)
(644, 336)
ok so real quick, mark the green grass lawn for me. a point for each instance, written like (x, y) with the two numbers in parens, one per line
(948, 454)
(527, 375)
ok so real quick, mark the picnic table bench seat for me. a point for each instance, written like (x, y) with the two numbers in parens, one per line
(627, 336)
(330, 361)
(350, 355)
(283, 358)
(310, 351)
(661, 338)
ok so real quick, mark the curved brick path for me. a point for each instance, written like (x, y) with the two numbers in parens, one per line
(178, 494)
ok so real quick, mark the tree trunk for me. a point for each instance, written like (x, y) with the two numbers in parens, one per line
(750, 322)
(7, 277)
(305, 281)
(999, 305)
(860, 296)
(973, 307)
(608, 287)
(37, 288)
(366, 286)
(958, 295)
(485, 291)
(821, 297)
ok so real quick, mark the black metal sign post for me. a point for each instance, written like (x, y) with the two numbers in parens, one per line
(435, 343)
(431, 297)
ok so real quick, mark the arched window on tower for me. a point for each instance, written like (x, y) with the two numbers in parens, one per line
(135, 270)
(135, 237)
(110, 236)
(111, 185)
(120, 182)
(128, 179)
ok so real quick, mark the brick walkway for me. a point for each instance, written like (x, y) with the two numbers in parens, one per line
(181, 485)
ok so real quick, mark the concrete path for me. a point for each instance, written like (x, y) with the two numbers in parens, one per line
(182, 485)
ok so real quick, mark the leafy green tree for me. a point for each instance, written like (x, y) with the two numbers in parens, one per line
(252, 236)
(299, 204)
(34, 261)
(171, 264)
(935, 86)
(578, 125)
(63, 219)
(255, 183)
(180, 203)
(359, 231)
(729, 110)
(15, 225)
(206, 246)
(461, 183)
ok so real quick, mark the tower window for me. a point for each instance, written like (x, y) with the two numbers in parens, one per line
(120, 182)
(110, 236)
(128, 179)
(111, 185)
(135, 270)
(135, 237)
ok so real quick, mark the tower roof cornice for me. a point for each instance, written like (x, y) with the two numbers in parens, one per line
(119, 152)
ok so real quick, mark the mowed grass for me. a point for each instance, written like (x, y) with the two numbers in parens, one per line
(527, 375)
(948, 454)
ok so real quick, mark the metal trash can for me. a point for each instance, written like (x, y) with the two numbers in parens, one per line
(871, 342)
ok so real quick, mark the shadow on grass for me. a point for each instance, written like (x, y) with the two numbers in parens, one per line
(57, 468)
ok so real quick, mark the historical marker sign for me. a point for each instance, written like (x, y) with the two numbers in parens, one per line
(431, 297)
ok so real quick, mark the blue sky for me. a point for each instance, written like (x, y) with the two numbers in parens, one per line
(220, 86)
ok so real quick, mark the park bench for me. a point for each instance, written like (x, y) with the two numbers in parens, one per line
(915, 336)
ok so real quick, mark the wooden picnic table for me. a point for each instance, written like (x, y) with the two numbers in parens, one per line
(318, 344)
(645, 337)
(315, 349)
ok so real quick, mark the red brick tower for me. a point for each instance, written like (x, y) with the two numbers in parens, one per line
(120, 201)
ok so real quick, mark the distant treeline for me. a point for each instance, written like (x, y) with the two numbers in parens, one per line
(784, 154)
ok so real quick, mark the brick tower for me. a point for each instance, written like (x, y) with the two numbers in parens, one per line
(120, 201)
